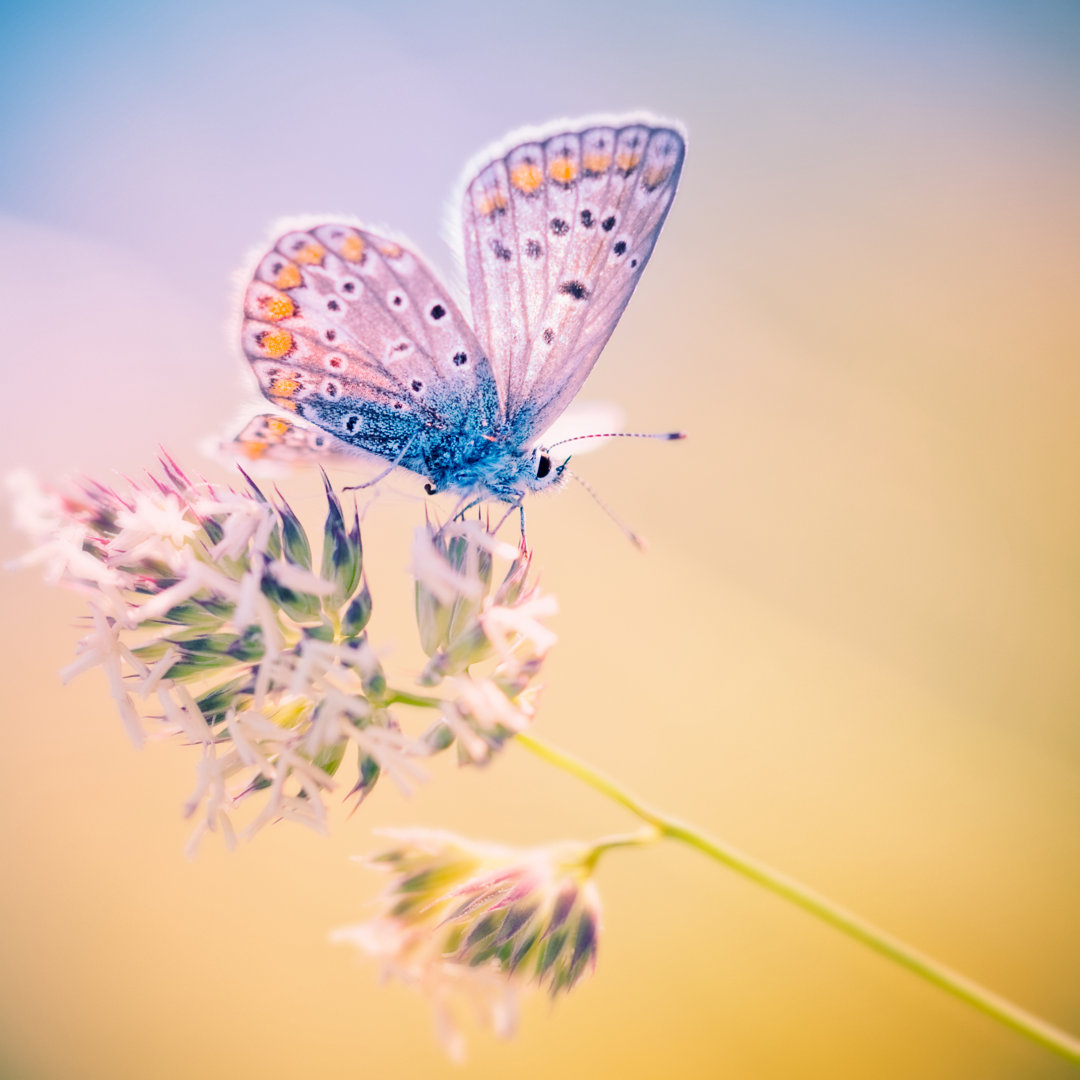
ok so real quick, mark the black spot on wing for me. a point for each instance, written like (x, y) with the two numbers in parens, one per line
(574, 289)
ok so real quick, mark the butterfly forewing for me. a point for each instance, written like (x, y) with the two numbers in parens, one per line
(353, 332)
(491, 264)
(557, 232)
(636, 203)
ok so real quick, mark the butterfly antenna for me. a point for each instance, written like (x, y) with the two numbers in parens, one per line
(665, 435)
(637, 540)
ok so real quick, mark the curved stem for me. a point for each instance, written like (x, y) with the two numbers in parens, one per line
(833, 914)
(403, 697)
(648, 834)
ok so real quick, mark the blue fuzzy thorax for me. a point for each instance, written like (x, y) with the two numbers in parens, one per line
(474, 458)
(457, 445)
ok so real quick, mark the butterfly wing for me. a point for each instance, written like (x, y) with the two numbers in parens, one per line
(354, 333)
(273, 439)
(557, 230)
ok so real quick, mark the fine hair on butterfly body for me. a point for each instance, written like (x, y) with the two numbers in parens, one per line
(362, 348)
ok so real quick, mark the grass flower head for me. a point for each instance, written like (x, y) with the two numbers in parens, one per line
(462, 921)
(216, 624)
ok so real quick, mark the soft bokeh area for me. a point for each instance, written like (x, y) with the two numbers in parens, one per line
(851, 650)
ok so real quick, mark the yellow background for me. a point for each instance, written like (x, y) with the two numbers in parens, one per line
(851, 650)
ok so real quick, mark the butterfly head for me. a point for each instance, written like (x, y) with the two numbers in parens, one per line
(544, 471)
(492, 469)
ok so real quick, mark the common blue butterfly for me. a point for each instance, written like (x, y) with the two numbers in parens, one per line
(353, 333)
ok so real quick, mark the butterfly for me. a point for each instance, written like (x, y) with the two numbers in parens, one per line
(362, 348)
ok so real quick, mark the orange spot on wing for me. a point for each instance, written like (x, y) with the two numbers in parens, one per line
(253, 449)
(288, 277)
(391, 250)
(284, 387)
(276, 426)
(352, 248)
(310, 254)
(654, 176)
(596, 163)
(490, 202)
(526, 177)
(276, 308)
(562, 170)
(627, 160)
(275, 343)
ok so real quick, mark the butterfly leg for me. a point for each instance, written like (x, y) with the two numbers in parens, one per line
(386, 472)
(459, 512)
(517, 504)
(465, 509)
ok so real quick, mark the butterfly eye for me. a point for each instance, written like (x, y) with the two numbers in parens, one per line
(543, 466)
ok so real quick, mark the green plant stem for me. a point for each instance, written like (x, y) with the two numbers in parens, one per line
(833, 914)
(645, 835)
(403, 697)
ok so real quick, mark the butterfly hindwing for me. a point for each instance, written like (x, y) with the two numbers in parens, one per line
(269, 437)
(557, 231)
(354, 333)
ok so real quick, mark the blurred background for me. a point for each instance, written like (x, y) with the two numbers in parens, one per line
(851, 649)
